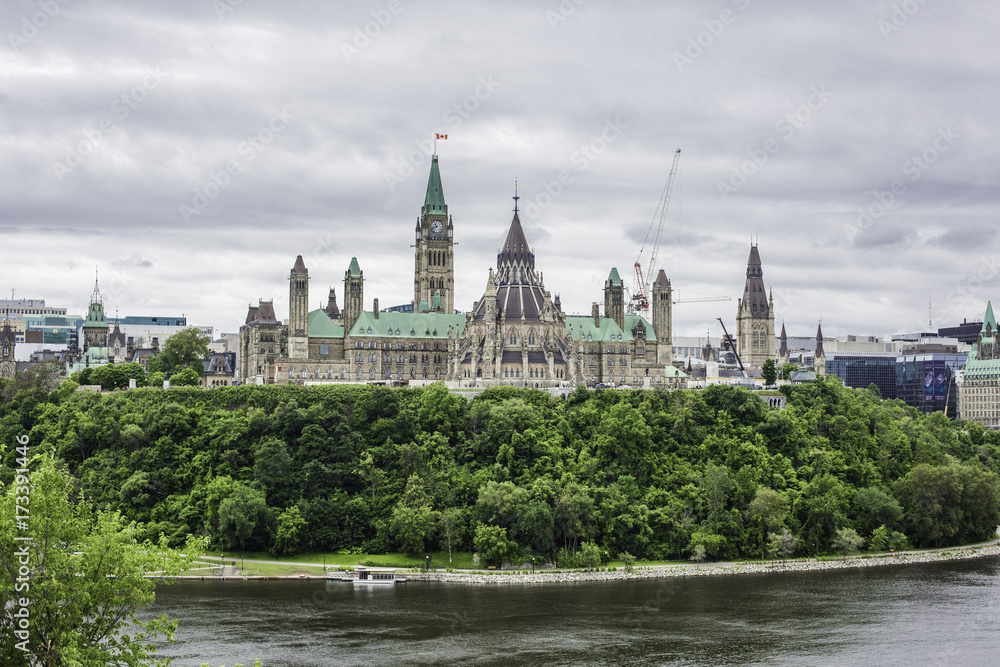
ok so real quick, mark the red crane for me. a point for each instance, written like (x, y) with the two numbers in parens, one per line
(640, 300)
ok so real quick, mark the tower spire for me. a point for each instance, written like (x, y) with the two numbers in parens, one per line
(96, 296)
(515, 195)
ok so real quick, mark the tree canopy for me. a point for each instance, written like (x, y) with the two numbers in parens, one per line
(657, 474)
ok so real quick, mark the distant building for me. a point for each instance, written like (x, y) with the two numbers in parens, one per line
(219, 369)
(7, 344)
(19, 308)
(516, 334)
(861, 369)
(966, 332)
(755, 317)
(926, 377)
(979, 384)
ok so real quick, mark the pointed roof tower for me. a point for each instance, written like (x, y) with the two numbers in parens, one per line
(754, 295)
(989, 321)
(96, 298)
(300, 266)
(819, 340)
(434, 199)
(783, 352)
(661, 279)
(519, 292)
(614, 280)
(331, 309)
(354, 269)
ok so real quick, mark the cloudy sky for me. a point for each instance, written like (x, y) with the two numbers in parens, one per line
(189, 150)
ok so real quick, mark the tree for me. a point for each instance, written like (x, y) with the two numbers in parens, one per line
(944, 504)
(769, 372)
(879, 540)
(492, 544)
(185, 349)
(450, 527)
(590, 555)
(414, 519)
(706, 543)
(242, 517)
(290, 525)
(873, 507)
(781, 544)
(715, 485)
(85, 582)
(787, 370)
(822, 508)
(847, 540)
(770, 509)
(371, 475)
(185, 377)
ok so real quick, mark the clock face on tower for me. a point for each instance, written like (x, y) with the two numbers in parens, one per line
(436, 227)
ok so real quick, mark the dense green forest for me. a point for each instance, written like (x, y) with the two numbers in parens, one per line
(510, 473)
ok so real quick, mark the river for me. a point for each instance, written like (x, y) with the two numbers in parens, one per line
(938, 614)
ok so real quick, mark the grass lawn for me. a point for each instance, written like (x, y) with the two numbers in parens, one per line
(438, 559)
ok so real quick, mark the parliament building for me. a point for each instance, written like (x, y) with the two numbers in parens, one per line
(515, 334)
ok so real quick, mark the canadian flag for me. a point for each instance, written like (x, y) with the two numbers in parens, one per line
(440, 136)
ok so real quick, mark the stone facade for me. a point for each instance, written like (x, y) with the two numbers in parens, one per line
(516, 334)
(8, 341)
(755, 317)
(979, 386)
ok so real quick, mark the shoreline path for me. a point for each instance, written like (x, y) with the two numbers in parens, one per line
(517, 575)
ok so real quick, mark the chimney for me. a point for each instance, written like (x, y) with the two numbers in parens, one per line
(597, 314)
(375, 308)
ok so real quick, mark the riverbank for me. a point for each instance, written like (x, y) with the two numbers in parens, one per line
(702, 570)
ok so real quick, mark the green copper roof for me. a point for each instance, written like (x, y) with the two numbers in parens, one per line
(989, 319)
(608, 330)
(95, 316)
(321, 326)
(355, 269)
(390, 324)
(436, 303)
(435, 193)
(614, 278)
(976, 369)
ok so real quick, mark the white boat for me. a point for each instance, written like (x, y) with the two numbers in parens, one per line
(365, 577)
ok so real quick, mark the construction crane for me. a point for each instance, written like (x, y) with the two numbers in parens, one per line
(703, 298)
(640, 300)
(730, 340)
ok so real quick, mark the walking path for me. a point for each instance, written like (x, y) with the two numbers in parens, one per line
(990, 548)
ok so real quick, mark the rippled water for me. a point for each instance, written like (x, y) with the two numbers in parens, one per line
(942, 613)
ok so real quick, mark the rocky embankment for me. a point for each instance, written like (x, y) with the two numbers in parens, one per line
(658, 571)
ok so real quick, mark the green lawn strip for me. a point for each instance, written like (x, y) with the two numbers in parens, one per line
(439, 559)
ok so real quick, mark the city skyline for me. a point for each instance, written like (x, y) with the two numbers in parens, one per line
(192, 151)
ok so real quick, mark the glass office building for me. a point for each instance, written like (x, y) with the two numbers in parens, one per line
(860, 369)
(926, 380)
